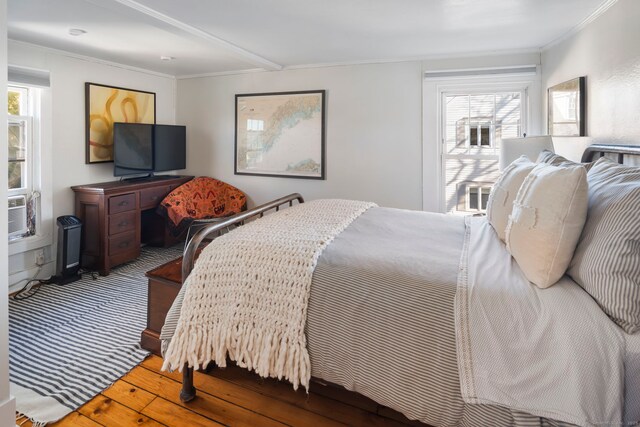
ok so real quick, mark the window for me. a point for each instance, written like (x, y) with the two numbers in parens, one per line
(19, 140)
(477, 198)
(480, 134)
(21, 108)
(474, 123)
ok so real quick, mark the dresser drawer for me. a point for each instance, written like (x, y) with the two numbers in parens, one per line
(126, 202)
(122, 222)
(151, 197)
(122, 243)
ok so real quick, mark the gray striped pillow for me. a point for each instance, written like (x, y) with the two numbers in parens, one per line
(606, 262)
(554, 159)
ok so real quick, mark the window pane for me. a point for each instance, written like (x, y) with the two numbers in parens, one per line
(485, 197)
(508, 107)
(473, 198)
(17, 101)
(510, 130)
(457, 121)
(17, 140)
(482, 106)
(17, 146)
(473, 135)
(16, 175)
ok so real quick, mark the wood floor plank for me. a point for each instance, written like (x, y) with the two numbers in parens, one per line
(129, 395)
(170, 414)
(76, 419)
(233, 396)
(254, 401)
(246, 389)
(108, 412)
(206, 405)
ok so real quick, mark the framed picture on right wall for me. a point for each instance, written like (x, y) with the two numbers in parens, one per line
(567, 104)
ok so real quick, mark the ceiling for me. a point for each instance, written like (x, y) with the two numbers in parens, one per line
(218, 36)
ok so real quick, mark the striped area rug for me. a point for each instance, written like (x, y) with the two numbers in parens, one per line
(68, 343)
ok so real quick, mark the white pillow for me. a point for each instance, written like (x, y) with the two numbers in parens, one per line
(504, 193)
(547, 219)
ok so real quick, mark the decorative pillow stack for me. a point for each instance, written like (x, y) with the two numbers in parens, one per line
(607, 260)
(539, 212)
(547, 222)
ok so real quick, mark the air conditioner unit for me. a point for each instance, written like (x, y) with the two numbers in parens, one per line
(17, 216)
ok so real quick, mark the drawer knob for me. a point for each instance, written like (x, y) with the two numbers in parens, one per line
(123, 224)
(123, 244)
(123, 203)
(154, 197)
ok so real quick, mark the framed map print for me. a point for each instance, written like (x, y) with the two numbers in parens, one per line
(105, 105)
(280, 134)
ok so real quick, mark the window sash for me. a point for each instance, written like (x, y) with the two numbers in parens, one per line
(26, 158)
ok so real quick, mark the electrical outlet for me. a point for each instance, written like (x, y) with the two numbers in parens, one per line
(39, 256)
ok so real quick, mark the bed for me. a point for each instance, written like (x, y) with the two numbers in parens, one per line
(392, 314)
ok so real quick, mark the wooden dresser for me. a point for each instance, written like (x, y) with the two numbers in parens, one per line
(118, 216)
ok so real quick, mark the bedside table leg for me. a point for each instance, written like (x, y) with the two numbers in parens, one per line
(188, 392)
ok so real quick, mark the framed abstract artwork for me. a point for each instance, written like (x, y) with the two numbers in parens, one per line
(280, 134)
(567, 105)
(105, 105)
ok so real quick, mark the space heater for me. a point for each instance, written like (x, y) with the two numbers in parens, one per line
(68, 259)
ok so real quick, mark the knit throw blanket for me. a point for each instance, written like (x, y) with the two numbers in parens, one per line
(247, 295)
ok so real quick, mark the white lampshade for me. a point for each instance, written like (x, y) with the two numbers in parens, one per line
(569, 147)
(531, 146)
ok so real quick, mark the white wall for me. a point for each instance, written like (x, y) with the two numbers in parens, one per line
(7, 405)
(373, 131)
(65, 145)
(607, 51)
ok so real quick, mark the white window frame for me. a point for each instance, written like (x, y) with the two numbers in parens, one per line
(33, 174)
(434, 88)
(467, 196)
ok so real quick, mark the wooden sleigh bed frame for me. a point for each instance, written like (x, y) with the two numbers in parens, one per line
(188, 391)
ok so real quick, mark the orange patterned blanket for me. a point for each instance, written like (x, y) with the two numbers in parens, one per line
(200, 198)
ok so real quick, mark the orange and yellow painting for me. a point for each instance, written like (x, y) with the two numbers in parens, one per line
(106, 105)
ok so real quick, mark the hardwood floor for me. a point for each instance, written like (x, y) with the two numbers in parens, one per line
(232, 396)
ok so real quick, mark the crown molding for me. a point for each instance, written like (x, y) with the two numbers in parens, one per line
(588, 20)
(90, 59)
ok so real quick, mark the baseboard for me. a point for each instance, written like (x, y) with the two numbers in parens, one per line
(18, 280)
(8, 413)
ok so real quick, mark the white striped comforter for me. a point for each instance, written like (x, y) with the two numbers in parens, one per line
(380, 318)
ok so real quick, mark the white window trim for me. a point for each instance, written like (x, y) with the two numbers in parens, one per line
(467, 196)
(433, 195)
(41, 172)
(25, 191)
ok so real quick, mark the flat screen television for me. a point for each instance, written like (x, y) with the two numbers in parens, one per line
(145, 148)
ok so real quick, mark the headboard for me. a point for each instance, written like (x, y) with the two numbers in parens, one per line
(602, 149)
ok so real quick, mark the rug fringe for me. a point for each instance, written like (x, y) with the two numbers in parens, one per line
(21, 419)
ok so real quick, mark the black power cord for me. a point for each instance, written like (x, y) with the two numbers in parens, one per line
(29, 291)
